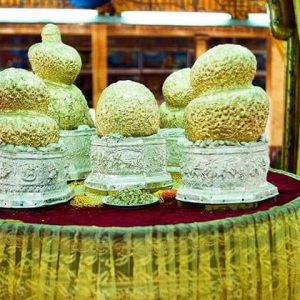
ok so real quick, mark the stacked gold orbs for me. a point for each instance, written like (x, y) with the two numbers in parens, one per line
(23, 110)
(59, 65)
(228, 106)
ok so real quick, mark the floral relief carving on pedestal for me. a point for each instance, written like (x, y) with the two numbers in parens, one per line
(221, 170)
(140, 161)
(5, 169)
(34, 175)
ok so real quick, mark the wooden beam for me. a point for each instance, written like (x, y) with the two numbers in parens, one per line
(99, 60)
(186, 31)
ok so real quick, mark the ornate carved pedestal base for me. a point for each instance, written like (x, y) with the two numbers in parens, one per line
(174, 148)
(225, 174)
(155, 163)
(78, 145)
(119, 163)
(33, 179)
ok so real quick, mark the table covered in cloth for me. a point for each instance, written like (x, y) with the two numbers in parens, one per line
(160, 252)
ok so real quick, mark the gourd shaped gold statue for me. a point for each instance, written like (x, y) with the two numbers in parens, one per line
(59, 65)
(23, 110)
(178, 93)
(228, 106)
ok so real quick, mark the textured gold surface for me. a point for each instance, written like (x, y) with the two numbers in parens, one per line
(22, 90)
(232, 115)
(23, 106)
(171, 117)
(224, 66)
(177, 89)
(52, 59)
(68, 106)
(27, 128)
(128, 108)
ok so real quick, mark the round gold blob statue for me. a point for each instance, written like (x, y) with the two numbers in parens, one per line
(177, 89)
(59, 65)
(128, 153)
(178, 93)
(128, 108)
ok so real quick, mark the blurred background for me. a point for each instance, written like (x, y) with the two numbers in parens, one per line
(146, 41)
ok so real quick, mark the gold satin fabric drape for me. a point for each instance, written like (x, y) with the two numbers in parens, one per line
(249, 257)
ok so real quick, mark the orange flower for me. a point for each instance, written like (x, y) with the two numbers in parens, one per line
(168, 194)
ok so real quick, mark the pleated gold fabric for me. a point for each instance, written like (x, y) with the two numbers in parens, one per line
(249, 257)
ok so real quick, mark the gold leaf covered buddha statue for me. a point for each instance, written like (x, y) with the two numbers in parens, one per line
(225, 159)
(128, 153)
(34, 164)
(178, 92)
(228, 106)
(59, 65)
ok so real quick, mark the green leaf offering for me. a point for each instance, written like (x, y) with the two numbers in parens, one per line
(131, 197)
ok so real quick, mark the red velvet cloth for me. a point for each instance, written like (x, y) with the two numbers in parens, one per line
(157, 214)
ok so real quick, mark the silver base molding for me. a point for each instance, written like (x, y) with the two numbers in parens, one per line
(225, 174)
(139, 163)
(77, 144)
(33, 179)
(174, 138)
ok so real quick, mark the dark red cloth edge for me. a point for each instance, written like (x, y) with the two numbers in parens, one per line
(158, 214)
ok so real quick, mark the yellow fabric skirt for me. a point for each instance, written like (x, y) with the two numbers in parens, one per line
(254, 256)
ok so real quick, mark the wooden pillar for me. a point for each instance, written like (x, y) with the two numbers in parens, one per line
(275, 87)
(200, 45)
(99, 60)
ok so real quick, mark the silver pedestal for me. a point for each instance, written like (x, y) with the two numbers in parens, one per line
(77, 144)
(174, 138)
(128, 163)
(33, 179)
(225, 174)
(155, 163)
